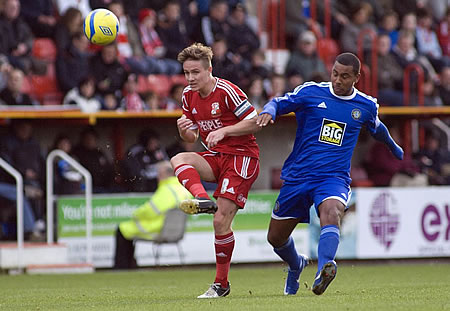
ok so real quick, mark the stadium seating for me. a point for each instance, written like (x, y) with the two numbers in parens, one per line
(160, 84)
(178, 79)
(328, 49)
(45, 90)
(44, 49)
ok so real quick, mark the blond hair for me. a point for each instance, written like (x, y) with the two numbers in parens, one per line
(196, 51)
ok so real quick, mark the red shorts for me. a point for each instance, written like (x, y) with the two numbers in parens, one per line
(234, 174)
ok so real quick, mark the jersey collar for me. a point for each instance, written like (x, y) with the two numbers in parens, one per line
(348, 97)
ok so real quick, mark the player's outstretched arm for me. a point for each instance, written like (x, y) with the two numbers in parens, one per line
(264, 118)
(382, 134)
(268, 114)
(279, 106)
(184, 124)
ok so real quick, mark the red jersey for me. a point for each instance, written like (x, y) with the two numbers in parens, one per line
(226, 105)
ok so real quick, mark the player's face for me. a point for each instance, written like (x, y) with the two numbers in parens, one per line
(343, 79)
(196, 74)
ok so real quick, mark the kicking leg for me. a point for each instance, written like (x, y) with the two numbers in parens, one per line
(331, 212)
(279, 236)
(190, 168)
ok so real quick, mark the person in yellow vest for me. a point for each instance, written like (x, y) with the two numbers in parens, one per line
(148, 219)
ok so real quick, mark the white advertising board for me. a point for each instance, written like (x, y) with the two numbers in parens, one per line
(403, 222)
(197, 247)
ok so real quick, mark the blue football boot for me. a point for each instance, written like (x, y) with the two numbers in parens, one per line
(292, 285)
(324, 277)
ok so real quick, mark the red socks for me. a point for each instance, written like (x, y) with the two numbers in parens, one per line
(224, 245)
(190, 179)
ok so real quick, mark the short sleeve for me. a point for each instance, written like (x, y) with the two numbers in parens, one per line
(187, 111)
(237, 101)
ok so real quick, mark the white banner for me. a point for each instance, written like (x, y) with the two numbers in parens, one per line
(197, 247)
(403, 222)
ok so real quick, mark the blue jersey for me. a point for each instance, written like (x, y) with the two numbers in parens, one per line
(327, 132)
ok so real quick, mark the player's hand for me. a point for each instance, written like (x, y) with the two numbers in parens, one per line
(214, 137)
(264, 119)
(184, 123)
(398, 152)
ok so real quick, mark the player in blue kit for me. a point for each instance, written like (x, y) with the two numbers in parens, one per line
(329, 116)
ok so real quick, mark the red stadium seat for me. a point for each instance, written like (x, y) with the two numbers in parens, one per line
(178, 79)
(44, 48)
(45, 89)
(159, 84)
(142, 86)
(51, 70)
(328, 49)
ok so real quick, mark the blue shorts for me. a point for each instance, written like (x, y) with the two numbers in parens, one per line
(295, 199)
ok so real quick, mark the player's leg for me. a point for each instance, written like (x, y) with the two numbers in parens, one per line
(279, 236)
(237, 174)
(224, 246)
(331, 212)
(292, 206)
(190, 168)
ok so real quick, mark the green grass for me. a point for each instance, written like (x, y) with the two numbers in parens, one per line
(361, 287)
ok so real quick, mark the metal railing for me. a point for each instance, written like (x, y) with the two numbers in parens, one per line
(414, 137)
(19, 203)
(50, 198)
(373, 57)
(364, 83)
(444, 128)
(271, 15)
(327, 15)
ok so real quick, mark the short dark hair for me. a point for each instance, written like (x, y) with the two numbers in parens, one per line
(349, 59)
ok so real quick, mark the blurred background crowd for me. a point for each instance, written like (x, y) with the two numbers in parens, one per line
(45, 60)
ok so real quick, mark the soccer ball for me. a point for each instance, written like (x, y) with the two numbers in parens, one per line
(101, 26)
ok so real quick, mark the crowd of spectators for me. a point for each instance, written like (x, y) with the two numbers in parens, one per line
(152, 32)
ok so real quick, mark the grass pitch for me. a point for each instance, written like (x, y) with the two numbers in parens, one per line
(360, 287)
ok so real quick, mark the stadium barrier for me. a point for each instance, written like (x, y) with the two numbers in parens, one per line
(19, 203)
(87, 201)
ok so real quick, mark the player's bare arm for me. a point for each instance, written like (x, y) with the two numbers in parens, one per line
(243, 127)
(186, 133)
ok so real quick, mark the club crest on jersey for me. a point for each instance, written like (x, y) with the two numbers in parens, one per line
(356, 114)
(332, 132)
(215, 110)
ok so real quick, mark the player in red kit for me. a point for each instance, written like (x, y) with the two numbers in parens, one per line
(220, 112)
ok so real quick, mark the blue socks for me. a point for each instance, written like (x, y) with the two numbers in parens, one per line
(288, 253)
(328, 244)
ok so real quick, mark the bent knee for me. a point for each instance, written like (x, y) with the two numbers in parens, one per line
(180, 158)
(275, 239)
(331, 214)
